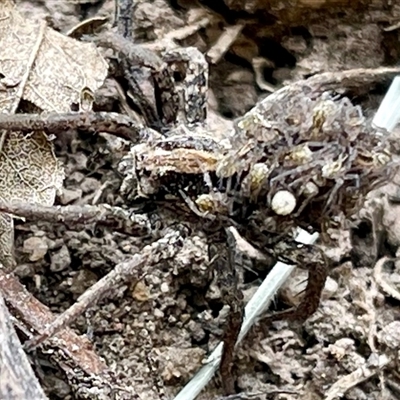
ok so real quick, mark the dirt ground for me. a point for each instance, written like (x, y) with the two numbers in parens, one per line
(176, 313)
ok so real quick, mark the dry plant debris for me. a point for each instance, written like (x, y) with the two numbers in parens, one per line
(51, 72)
(185, 203)
(86, 372)
(16, 375)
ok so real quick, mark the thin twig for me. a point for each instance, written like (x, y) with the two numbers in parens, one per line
(110, 122)
(17, 379)
(72, 353)
(348, 79)
(35, 316)
(120, 220)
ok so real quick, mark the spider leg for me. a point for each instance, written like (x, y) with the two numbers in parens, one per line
(304, 204)
(123, 17)
(339, 183)
(225, 268)
(190, 69)
(317, 275)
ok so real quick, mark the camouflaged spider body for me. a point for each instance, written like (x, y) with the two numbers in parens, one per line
(298, 158)
(315, 148)
(315, 153)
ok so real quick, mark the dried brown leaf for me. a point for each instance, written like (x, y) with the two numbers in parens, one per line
(51, 71)
(47, 68)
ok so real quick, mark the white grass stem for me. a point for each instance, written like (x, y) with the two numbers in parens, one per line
(255, 307)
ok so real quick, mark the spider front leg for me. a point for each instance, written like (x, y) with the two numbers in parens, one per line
(354, 177)
(309, 192)
(225, 256)
(317, 275)
(316, 263)
(339, 183)
(189, 70)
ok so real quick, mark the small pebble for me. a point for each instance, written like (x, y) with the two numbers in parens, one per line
(164, 287)
(36, 247)
(90, 185)
(70, 195)
(60, 259)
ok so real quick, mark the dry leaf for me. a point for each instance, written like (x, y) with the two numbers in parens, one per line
(51, 71)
